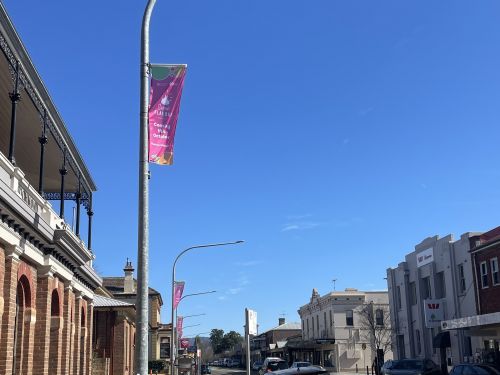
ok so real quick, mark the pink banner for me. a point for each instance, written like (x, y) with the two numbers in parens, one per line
(180, 322)
(178, 290)
(167, 82)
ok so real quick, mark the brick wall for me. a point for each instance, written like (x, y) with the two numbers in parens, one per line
(489, 298)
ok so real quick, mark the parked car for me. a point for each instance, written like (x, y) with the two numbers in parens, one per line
(205, 369)
(306, 370)
(300, 364)
(386, 366)
(413, 367)
(257, 365)
(474, 369)
(272, 364)
(234, 363)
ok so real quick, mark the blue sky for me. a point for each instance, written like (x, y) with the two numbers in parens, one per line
(331, 135)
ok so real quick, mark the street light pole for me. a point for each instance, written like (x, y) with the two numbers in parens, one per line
(172, 351)
(143, 219)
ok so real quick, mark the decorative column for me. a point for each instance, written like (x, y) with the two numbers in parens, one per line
(63, 171)
(76, 337)
(15, 97)
(43, 141)
(78, 202)
(89, 338)
(90, 213)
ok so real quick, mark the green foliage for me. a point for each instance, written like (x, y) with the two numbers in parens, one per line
(222, 342)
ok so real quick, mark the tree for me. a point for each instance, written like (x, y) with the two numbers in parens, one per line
(375, 323)
(230, 340)
(216, 337)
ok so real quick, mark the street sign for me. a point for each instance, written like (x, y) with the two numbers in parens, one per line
(252, 322)
(434, 312)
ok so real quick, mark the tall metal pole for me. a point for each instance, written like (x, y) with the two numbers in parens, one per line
(143, 222)
(247, 340)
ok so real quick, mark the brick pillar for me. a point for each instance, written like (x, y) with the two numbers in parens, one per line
(76, 337)
(83, 337)
(2, 276)
(9, 311)
(88, 343)
(56, 329)
(43, 320)
(119, 346)
(67, 328)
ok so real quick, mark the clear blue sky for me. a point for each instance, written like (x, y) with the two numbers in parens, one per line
(330, 135)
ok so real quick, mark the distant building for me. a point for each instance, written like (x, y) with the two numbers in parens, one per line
(335, 331)
(272, 342)
(113, 343)
(125, 289)
(482, 327)
(434, 283)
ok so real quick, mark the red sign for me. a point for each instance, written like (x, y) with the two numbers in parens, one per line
(184, 343)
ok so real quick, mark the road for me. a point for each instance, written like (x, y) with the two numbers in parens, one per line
(227, 371)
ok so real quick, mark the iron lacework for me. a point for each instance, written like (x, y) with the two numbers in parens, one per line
(85, 198)
(41, 108)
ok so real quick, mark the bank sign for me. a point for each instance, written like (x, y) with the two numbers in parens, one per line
(425, 257)
(434, 312)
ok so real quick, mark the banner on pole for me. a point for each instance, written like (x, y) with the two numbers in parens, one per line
(180, 322)
(167, 82)
(178, 290)
(252, 322)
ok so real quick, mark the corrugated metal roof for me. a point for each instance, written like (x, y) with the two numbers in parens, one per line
(101, 301)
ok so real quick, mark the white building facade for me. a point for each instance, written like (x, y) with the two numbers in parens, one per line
(335, 323)
(434, 283)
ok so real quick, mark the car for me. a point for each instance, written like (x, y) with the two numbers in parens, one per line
(257, 365)
(306, 370)
(205, 369)
(386, 366)
(300, 364)
(474, 369)
(234, 363)
(413, 367)
(272, 364)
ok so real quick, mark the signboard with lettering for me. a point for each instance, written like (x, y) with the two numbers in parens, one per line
(434, 312)
(252, 322)
(425, 257)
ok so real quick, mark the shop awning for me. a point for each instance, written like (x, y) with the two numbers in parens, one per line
(441, 340)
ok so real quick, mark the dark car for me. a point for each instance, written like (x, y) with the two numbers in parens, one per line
(307, 370)
(474, 369)
(412, 367)
(205, 369)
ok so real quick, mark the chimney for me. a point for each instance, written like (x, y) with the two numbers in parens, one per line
(128, 282)
(281, 321)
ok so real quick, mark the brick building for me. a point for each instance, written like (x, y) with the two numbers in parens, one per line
(47, 281)
(125, 289)
(113, 336)
(484, 327)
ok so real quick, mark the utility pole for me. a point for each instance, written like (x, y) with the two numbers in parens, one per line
(143, 215)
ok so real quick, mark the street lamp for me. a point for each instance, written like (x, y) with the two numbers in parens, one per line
(172, 355)
(143, 214)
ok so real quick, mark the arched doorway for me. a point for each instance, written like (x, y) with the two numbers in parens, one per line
(22, 326)
(55, 332)
(83, 335)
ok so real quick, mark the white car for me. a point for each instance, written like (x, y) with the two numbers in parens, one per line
(300, 364)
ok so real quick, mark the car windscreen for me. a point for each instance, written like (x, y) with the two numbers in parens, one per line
(275, 366)
(407, 365)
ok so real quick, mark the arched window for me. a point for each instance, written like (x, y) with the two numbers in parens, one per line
(55, 306)
(22, 326)
(82, 317)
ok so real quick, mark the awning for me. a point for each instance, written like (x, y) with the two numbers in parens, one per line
(441, 340)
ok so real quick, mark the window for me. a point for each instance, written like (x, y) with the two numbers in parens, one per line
(484, 274)
(425, 284)
(398, 298)
(349, 318)
(440, 285)
(307, 327)
(317, 324)
(324, 318)
(331, 319)
(379, 317)
(413, 293)
(461, 278)
(419, 344)
(494, 271)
